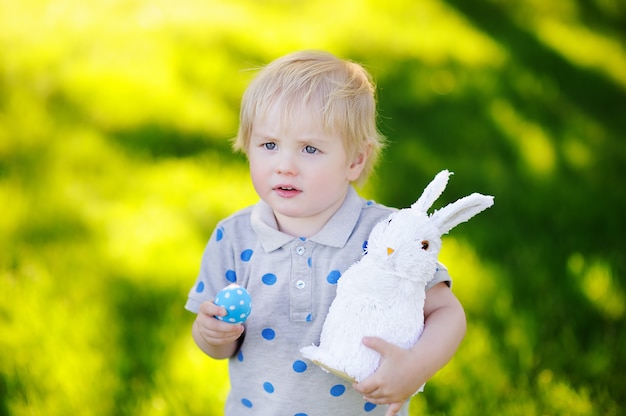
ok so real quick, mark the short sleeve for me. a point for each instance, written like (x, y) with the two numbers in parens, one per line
(217, 269)
(441, 275)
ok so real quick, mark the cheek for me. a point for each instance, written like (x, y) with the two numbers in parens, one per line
(256, 160)
(256, 170)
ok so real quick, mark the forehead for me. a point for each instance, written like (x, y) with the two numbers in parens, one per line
(294, 118)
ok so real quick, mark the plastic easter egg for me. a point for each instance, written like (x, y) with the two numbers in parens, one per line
(237, 302)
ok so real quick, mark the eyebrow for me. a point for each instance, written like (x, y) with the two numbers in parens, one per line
(315, 141)
(263, 136)
(301, 140)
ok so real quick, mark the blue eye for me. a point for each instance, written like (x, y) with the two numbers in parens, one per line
(269, 146)
(310, 149)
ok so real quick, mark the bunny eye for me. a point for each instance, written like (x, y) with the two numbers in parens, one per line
(425, 245)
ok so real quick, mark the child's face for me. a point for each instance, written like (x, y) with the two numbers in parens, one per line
(300, 170)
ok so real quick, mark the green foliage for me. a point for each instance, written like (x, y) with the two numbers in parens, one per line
(115, 164)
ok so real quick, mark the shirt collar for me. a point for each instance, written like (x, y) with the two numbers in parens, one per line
(335, 233)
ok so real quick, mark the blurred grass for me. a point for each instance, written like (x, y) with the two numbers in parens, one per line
(115, 165)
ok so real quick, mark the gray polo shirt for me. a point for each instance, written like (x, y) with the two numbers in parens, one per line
(292, 282)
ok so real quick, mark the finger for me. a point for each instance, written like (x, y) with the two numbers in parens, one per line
(211, 309)
(367, 387)
(377, 344)
(393, 409)
(219, 332)
(214, 328)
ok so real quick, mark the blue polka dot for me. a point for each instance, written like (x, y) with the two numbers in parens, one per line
(246, 255)
(240, 356)
(303, 238)
(200, 287)
(369, 407)
(337, 390)
(300, 414)
(231, 276)
(333, 277)
(370, 202)
(310, 262)
(269, 279)
(268, 334)
(219, 234)
(299, 366)
(309, 318)
(268, 387)
(246, 403)
(365, 246)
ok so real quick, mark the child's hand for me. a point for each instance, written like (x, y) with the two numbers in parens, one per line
(391, 384)
(402, 372)
(215, 332)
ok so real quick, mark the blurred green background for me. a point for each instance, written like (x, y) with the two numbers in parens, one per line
(115, 119)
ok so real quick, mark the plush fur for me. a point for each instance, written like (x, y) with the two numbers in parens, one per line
(383, 294)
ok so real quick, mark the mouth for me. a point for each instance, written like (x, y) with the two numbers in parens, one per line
(286, 190)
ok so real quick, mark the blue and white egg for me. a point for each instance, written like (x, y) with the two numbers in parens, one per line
(237, 302)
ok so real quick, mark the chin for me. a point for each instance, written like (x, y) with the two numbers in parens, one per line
(289, 212)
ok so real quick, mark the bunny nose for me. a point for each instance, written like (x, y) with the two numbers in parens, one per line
(390, 251)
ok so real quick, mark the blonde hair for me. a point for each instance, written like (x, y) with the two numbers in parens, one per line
(340, 91)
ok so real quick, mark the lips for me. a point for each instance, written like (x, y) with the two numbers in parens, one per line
(286, 191)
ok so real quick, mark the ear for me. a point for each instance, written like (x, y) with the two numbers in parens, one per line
(358, 163)
(460, 211)
(432, 191)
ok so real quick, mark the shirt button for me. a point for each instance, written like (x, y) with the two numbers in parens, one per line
(300, 284)
(300, 250)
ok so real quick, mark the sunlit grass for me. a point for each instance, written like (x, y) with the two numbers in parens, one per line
(556, 25)
(477, 286)
(188, 382)
(152, 231)
(533, 142)
(563, 398)
(598, 284)
(54, 336)
(148, 223)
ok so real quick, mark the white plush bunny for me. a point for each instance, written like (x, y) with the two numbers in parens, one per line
(382, 295)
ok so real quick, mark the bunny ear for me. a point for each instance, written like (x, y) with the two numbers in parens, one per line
(432, 192)
(460, 211)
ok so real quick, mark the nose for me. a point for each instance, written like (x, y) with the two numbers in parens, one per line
(390, 251)
(285, 163)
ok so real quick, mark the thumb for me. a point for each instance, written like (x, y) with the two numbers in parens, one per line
(211, 309)
(378, 344)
